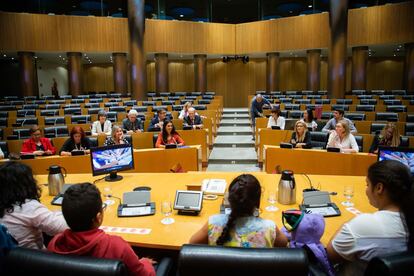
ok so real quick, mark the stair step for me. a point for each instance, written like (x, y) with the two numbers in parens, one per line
(233, 168)
(234, 141)
(231, 156)
(235, 122)
(233, 115)
(234, 130)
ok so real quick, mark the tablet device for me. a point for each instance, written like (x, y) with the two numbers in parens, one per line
(171, 146)
(24, 156)
(286, 145)
(57, 200)
(77, 152)
(276, 127)
(331, 149)
(188, 202)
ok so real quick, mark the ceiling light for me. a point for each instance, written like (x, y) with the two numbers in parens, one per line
(398, 49)
(290, 11)
(310, 6)
(12, 58)
(4, 55)
(35, 56)
(395, 55)
(291, 53)
(181, 15)
(60, 56)
(74, 6)
(119, 9)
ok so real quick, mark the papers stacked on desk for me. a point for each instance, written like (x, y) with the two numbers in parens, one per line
(214, 186)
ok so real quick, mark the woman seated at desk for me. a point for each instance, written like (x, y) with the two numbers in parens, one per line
(242, 227)
(117, 137)
(168, 136)
(389, 136)
(301, 137)
(308, 120)
(102, 125)
(387, 231)
(275, 119)
(37, 144)
(77, 142)
(342, 138)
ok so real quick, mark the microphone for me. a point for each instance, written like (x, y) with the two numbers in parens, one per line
(310, 183)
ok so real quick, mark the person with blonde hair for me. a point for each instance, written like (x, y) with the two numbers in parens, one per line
(117, 137)
(342, 138)
(301, 137)
(389, 136)
(184, 111)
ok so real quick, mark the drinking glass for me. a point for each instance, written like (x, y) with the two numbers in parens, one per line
(166, 210)
(108, 195)
(348, 194)
(271, 198)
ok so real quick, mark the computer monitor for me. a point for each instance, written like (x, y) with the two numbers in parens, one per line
(112, 159)
(403, 155)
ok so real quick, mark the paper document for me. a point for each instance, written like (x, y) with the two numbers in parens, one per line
(214, 186)
(136, 211)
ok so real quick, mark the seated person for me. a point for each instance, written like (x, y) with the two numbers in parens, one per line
(132, 123)
(20, 208)
(275, 119)
(76, 142)
(342, 138)
(184, 111)
(338, 116)
(389, 136)
(82, 209)
(387, 231)
(301, 137)
(168, 136)
(36, 144)
(193, 120)
(102, 125)
(308, 119)
(1, 154)
(116, 138)
(158, 121)
(242, 227)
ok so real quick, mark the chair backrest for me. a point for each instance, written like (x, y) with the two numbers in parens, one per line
(26, 112)
(140, 108)
(409, 129)
(27, 121)
(57, 131)
(327, 115)
(19, 261)
(319, 139)
(200, 107)
(368, 101)
(410, 118)
(386, 116)
(22, 133)
(361, 107)
(360, 142)
(396, 108)
(117, 108)
(217, 260)
(343, 101)
(340, 107)
(377, 127)
(4, 148)
(405, 142)
(355, 116)
(296, 114)
(392, 265)
(3, 122)
(322, 101)
(292, 106)
(73, 111)
(92, 105)
(49, 112)
(80, 119)
(59, 120)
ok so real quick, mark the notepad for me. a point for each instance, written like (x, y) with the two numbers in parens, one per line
(136, 211)
(214, 186)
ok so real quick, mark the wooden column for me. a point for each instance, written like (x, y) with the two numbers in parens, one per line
(338, 22)
(120, 72)
(313, 66)
(359, 67)
(136, 25)
(161, 72)
(272, 72)
(75, 73)
(409, 67)
(27, 74)
(200, 73)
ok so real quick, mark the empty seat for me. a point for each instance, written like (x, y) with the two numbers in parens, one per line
(200, 107)
(72, 111)
(112, 116)
(51, 121)
(396, 108)
(186, 100)
(386, 116)
(398, 92)
(296, 97)
(392, 102)
(310, 106)
(92, 105)
(94, 110)
(7, 108)
(210, 93)
(286, 100)
(319, 139)
(30, 106)
(66, 97)
(368, 101)
(377, 127)
(26, 112)
(410, 118)
(387, 97)
(295, 114)
(291, 92)
(355, 116)
(273, 92)
(340, 107)
(4, 114)
(292, 106)
(130, 103)
(39, 102)
(26, 121)
(165, 94)
(57, 102)
(52, 106)
(365, 107)
(29, 98)
(77, 101)
(307, 92)
(83, 96)
(204, 101)
(207, 97)
(96, 100)
(173, 98)
(109, 104)
(322, 92)
(405, 141)
(177, 107)
(81, 119)
(360, 142)
(190, 97)
(117, 108)
(140, 108)
(409, 129)
(93, 142)
(303, 101)
(180, 93)
(167, 102)
(344, 101)
(195, 93)
(56, 131)
(149, 103)
(22, 133)
(49, 112)
(116, 100)
(159, 107)
(3, 122)
(323, 101)
(48, 97)
(314, 96)
(408, 97)
(364, 97)
(378, 92)
(326, 115)
(391, 265)
(151, 94)
(19, 102)
(358, 92)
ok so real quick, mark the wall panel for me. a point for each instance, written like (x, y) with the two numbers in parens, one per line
(98, 77)
(385, 73)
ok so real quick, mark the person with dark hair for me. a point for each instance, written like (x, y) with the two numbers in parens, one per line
(158, 121)
(82, 209)
(76, 142)
(389, 230)
(37, 144)
(242, 227)
(256, 109)
(102, 125)
(389, 137)
(276, 119)
(309, 120)
(168, 136)
(338, 116)
(20, 208)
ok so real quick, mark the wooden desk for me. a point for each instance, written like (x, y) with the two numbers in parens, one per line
(175, 235)
(312, 161)
(146, 160)
(271, 137)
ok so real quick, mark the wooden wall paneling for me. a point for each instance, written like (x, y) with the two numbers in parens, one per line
(324, 73)
(293, 73)
(385, 73)
(98, 77)
(181, 75)
(150, 76)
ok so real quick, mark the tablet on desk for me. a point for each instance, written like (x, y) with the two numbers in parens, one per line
(171, 146)
(276, 127)
(78, 152)
(24, 156)
(188, 202)
(332, 149)
(286, 146)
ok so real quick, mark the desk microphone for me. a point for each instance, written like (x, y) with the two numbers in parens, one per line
(311, 189)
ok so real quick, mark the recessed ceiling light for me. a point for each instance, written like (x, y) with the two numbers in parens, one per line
(4, 55)
(119, 9)
(181, 15)
(310, 6)
(290, 11)
(74, 6)
(12, 58)
(395, 55)
(60, 56)
(398, 49)
(63, 58)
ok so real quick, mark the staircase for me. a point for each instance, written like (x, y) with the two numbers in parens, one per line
(233, 149)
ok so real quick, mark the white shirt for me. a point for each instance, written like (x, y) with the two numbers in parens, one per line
(368, 236)
(97, 129)
(348, 142)
(27, 223)
(280, 122)
(1, 154)
(312, 124)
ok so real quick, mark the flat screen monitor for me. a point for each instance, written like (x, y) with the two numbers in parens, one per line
(112, 159)
(403, 155)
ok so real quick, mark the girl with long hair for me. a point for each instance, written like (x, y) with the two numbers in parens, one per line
(301, 137)
(389, 136)
(168, 136)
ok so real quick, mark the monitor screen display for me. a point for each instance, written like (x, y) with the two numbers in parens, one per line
(403, 155)
(112, 158)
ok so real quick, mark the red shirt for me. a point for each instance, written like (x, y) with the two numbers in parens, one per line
(29, 146)
(175, 139)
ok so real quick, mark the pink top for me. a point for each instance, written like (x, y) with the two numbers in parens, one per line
(27, 223)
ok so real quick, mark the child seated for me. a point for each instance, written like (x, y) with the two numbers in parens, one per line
(82, 209)
(306, 230)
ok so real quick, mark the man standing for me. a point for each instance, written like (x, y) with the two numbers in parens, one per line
(256, 109)
(338, 115)
(132, 123)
